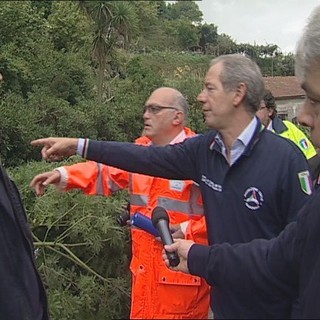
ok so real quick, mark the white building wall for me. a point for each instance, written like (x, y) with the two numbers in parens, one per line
(289, 109)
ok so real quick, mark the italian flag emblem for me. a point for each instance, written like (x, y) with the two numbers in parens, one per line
(304, 144)
(305, 182)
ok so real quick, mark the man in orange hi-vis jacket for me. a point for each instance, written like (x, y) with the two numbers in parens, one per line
(157, 292)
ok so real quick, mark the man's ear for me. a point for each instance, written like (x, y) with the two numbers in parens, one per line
(178, 118)
(240, 94)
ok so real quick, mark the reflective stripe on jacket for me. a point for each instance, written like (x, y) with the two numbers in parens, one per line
(157, 292)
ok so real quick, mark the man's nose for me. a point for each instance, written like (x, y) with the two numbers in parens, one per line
(201, 97)
(146, 114)
(303, 117)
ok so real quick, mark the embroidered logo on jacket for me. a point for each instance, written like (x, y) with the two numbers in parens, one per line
(211, 184)
(305, 182)
(253, 198)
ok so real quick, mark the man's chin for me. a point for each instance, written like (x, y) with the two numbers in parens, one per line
(208, 123)
(147, 132)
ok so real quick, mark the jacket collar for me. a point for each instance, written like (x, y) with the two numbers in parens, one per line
(217, 143)
(278, 125)
(259, 130)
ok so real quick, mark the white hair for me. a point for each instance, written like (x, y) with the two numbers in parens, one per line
(308, 46)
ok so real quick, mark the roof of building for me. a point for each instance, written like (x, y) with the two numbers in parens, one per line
(284, 87)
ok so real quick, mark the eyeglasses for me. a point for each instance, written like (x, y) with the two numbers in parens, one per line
(156, 109)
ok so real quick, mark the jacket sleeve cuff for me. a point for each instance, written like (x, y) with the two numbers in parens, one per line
(198, 259)
(62, 184)
(183, 227)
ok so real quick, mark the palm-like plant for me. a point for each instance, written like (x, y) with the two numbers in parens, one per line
(111, 22)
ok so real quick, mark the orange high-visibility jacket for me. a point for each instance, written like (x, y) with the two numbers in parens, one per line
(197, 229)
(157, 292)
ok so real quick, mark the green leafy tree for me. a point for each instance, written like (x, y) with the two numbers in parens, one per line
(22, 28)
(68, 32)
(161, 8)
(188, 10)
(186, 35)
(149, 33)
(42, 6)
(209, 36)
(284, 64)
(225, 45)
(17, 123)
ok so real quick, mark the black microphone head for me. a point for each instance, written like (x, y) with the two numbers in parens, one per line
(159, 213)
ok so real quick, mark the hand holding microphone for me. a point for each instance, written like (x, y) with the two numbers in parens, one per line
(160, 220)
(180, 247)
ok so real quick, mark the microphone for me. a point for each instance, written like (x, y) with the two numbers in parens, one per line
(160, 220)
(142, 222)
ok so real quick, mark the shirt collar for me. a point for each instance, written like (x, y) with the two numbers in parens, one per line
(240, 144)
(179, 138)
(246, 135)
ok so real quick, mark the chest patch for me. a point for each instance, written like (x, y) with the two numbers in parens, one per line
(305, 182)
(253, 198)
(176, 185)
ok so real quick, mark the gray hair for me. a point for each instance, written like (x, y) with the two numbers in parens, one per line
(308, 46)
(182, 103)
(238, 69)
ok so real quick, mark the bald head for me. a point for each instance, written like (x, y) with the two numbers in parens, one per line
(172, 97)
(165, 115)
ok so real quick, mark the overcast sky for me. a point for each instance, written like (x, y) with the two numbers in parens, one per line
(259, 21)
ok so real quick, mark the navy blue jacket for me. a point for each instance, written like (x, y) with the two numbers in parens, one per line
(281, 267)
(254, 198)
(22, 295)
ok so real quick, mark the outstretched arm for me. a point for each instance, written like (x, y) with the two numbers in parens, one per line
(172, 162)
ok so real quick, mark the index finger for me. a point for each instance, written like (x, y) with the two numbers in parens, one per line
(40, 142)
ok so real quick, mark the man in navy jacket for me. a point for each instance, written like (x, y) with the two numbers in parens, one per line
(253, 182)
(289, 264)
